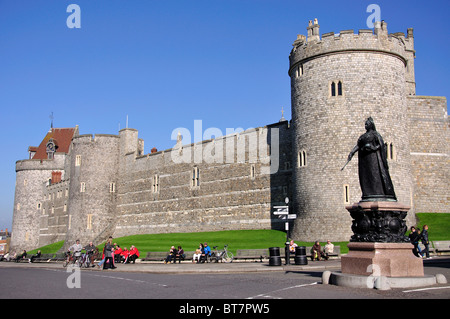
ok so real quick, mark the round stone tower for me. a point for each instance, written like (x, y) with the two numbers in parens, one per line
(93, 181)
(337, 82)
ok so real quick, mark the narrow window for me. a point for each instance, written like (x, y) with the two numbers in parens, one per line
(339, 88)
(78, 160)
(89, 221)
(155, 185)
(301, 158)
(346, 194)
(390, 151)
(252, 171)
(195, 177)
(287, 165)
(83, 187)
(333, 89)
(112, 187)
(299, 70)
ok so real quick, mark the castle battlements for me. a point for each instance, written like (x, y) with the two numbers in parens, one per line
(312, 46)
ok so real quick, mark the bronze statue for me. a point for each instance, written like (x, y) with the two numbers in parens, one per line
(374, 178)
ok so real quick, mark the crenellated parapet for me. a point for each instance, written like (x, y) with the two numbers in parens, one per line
(313, 45)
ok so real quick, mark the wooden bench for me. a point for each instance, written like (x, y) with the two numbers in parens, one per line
(162, 255)
(155, 256)
(441, 246)
(336, 252)
(252, 254)
(43, 258)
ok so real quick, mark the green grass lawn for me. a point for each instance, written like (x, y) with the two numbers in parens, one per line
(235, 239)
(438, 225)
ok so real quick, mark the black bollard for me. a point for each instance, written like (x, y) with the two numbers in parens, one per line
(274, 256)
(300, 256)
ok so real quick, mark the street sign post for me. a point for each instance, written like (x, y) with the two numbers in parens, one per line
(283, 213)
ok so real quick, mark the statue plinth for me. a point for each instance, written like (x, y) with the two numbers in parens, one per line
(379, 245)
(379, 221)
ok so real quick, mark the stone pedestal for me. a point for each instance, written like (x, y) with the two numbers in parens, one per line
(382, 259)
(379, 246)
(379, 221)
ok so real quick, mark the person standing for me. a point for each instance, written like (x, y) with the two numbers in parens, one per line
(425, 241)
(109, 250)
(414, 238)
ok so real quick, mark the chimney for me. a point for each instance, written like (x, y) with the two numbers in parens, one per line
(154, 150)
(56, 177)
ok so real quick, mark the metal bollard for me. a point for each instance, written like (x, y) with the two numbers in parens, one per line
(274, 256)
(300, 256)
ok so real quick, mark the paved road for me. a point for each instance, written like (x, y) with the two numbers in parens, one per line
(238, 281)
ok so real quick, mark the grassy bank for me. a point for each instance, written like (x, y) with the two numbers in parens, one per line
(439, 229)
(235, 239)
(438, 225)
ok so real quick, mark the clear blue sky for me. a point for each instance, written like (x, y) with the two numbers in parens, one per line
(166, 63)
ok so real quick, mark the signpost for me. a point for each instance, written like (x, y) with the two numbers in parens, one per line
(283, 213)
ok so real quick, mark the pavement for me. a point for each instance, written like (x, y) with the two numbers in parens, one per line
(187, 267)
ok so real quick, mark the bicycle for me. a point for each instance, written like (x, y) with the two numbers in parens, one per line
(71, 259)
(224, 256)
(85, 260)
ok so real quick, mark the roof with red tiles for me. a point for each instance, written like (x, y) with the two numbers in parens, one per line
(62, 138)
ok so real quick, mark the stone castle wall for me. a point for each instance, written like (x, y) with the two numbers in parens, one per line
(200, 187)
(430, 153)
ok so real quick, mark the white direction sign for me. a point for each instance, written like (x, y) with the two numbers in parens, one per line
(281, 210)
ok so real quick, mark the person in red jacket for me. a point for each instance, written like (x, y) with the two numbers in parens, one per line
(117, 252)
(134, 254)
(124, 255)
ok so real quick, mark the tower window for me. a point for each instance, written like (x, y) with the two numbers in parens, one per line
(336, 88)
(301, 158)
(78, 160)
(195, 177)
(89, 221)
(155, 185)
(299, 70)
(390, 151)
(252, 171)
(346, 194)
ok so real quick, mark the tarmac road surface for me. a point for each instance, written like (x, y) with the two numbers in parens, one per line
(223, 282)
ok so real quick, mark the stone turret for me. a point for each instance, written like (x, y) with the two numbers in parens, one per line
(338, 81)
(94, 170)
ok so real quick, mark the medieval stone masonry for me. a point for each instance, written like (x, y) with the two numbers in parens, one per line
(90, 187)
